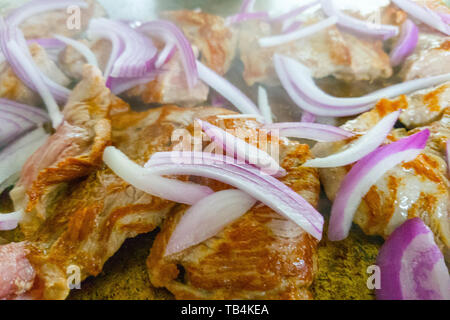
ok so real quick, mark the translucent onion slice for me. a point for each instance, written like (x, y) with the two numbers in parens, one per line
(15, 49)
(14, 156)
(35, 7)
(411, 265)
(227, 90)
(247, 178)
(264, 106)
(144, 180)
(423, 14)
(361, 147)
(17, 119)
(306, 31)
(366, 173)
(294, 12)
(10, 221)
(170, 33)
(409, 36)
(132, 55)
(298, 82)
(358, 26)
(207, 218)
(308, 117)
(239, 149)
(246, 16)
(85, 51)
(166, 53)
(312, 131)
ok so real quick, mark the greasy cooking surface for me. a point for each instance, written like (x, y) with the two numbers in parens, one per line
(342, 265)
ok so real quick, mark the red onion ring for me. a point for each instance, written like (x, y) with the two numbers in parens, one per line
(247, 178)
(409, 36)
(411, 265)
(312, 131)
(364, 174)
(358, 26)
(199, 223)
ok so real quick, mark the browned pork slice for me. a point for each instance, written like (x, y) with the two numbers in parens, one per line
(419, 188)
(430, 58)
(11, 87)
(62, 22)
(330, 52)
(72, 152)
(259, 256)
(424, 106)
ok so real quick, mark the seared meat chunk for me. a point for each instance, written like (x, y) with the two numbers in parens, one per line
(72, 152)
(430, 58)
(260, 256)
(11, 87)
(330, 52)
(419, 188)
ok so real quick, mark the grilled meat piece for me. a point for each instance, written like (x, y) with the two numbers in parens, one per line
(430, 58)
(74, 151)
(422, 107)
(419, 188)
(260, 256)
(330, 52)
(11, 87)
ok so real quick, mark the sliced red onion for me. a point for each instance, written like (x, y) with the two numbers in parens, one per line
(47, 43)
(358, 26)
(120, 85)
(309, 30)
(85, 51)
(247, 178)
(423, 14)
(311, 131)
(361, 147)
(132, 55)
(227, 90)
(169, 32)
(264, 106)
(366, 173)
(294, 12)
(35, 7)
(247, 6)
(165, 55)
(17, 119)
(15, 49)
(290, 27)
(409, 36)
(242, 150)
(144, 180)
(246, 16)
(444, 16)
(199, 223)
(298, 82)
(411, 265)
(308, 117)
(10, 221)
(14, 156)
